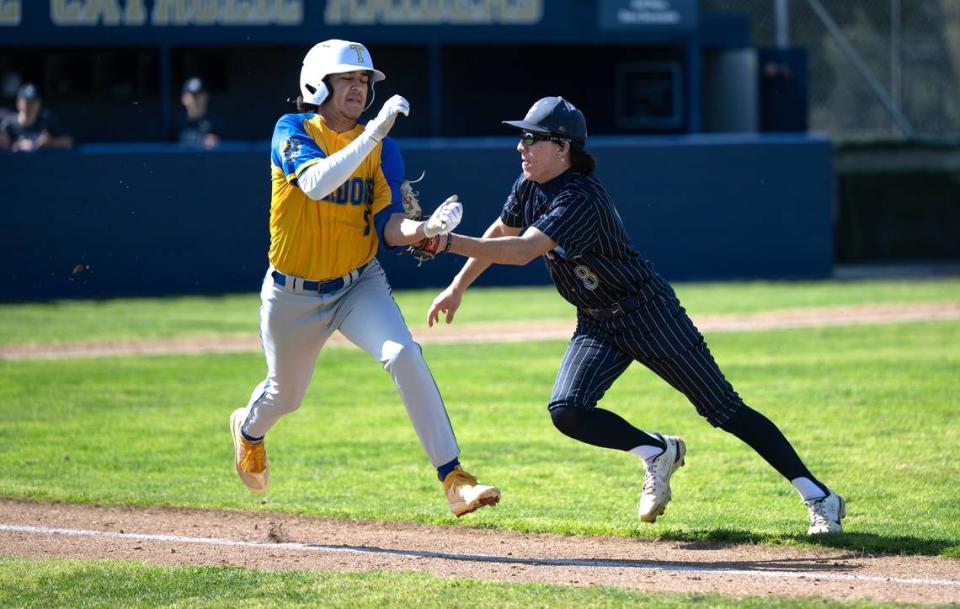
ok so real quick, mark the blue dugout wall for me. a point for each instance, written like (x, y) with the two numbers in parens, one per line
(108, 221)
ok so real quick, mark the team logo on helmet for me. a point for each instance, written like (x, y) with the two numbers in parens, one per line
(359, 49)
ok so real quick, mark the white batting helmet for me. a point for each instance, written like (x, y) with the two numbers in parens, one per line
(334, 57)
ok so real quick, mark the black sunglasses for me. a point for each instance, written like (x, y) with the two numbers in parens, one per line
(529, 138)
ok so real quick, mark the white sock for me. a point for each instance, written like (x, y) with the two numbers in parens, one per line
(808, 490)
(647, 452)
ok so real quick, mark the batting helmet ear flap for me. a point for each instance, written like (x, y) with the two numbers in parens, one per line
(313, 86)
(319, 92)
(324, 89)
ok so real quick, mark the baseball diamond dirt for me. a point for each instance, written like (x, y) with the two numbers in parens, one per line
(268, 540)
(263, 539)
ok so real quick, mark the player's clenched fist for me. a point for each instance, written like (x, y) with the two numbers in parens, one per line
(380, 126)
(444, 219)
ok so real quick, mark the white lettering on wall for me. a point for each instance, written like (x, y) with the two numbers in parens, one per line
(430, 12)
(136, 13)
(165, 12)
(227, 12)
(66, 12)
(649, 12)
(10, 12)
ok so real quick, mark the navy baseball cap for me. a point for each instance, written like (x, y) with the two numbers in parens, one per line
(28, 91)
(556, 116)
(193, 85)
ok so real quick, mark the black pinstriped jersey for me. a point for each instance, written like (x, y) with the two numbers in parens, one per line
(594, 264)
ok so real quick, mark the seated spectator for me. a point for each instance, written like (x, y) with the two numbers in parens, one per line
(197, 127)
(33, 127)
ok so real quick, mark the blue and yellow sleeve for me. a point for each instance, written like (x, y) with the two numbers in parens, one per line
(388, 181)
(292, 148)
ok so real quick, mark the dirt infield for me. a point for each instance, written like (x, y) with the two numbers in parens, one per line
(503, 332)
(265, 540)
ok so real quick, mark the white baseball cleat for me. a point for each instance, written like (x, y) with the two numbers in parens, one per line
(656, 482)
(250, 457)
(465, 494)
(826, 514)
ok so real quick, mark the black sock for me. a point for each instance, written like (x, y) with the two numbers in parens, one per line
(769, 442)
(601, 428)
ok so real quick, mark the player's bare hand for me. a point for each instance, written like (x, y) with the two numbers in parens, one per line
(380, 125)
(445, 218)
(447, 301)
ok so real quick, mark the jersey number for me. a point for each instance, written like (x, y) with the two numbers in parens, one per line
(586, 276)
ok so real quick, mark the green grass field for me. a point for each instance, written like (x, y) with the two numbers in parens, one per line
(30, 584)
(875, 412)
(237, 314)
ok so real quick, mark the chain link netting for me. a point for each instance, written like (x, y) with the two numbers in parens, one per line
(911, 47)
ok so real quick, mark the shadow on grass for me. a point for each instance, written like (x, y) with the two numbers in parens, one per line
(860, 543)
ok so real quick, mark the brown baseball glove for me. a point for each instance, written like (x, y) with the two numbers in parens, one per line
(428, 249)
(411, 200)
(425, 249)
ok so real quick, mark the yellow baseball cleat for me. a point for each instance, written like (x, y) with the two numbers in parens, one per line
(251, 457)
(466, 494)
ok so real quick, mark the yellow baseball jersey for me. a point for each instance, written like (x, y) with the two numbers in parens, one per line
(328, 238)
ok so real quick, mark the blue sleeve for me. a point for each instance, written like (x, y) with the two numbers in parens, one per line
(391, 163)
(292, 148)
(512, 214)
(572, 222)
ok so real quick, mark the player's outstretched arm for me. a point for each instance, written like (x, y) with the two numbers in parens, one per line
(504, 250)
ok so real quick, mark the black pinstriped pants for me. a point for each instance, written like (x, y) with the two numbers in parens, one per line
(659, 335)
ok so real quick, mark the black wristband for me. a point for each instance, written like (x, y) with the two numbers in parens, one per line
(449, 241)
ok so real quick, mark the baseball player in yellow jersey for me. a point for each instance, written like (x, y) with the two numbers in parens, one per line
(335, 199)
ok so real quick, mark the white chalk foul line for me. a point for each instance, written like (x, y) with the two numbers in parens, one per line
(549, 562)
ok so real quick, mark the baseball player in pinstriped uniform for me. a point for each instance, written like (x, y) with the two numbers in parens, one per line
(625, 312)
(335, 198)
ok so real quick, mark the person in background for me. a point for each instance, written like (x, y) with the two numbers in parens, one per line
(33, 127)
(197, 127)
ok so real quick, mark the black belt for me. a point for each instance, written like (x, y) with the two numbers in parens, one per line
(617, 310)
(323, 287)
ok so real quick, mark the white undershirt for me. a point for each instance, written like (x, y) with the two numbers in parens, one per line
(326, 175)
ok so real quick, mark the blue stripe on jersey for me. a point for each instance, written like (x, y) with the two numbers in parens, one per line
(391, 162)
(594, 264)
(292, 146)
